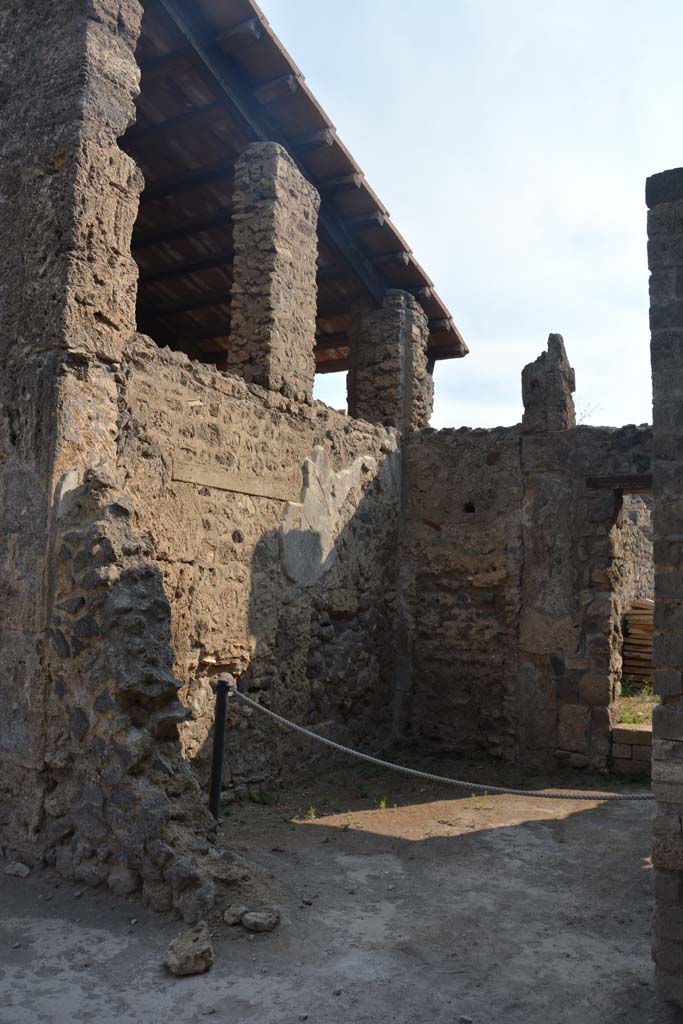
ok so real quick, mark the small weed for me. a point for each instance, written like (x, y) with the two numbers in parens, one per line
(383, 804)
(311, 814)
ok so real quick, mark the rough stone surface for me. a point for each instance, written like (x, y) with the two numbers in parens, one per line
(274, 290)
(261, 920)
(388, 381)
(191, 952)
(519, 575)
(547, 388)
(665, 255)
(18, 869)
(234, 914)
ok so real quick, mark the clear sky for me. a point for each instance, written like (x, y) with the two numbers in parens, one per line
(510, 142)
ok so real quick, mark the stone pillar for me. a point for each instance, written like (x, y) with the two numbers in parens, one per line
(547, 387)
(664, 195)
(388, 381)
(274, 293)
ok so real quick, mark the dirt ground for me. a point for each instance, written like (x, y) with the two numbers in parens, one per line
(401, 902)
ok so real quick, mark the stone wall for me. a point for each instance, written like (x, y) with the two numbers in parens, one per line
(637, 565)
(272, 527)
(664, 195)
(516, 599)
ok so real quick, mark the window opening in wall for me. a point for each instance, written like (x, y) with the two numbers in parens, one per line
(330, 388)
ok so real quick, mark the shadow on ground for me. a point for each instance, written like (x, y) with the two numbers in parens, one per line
(401, 902)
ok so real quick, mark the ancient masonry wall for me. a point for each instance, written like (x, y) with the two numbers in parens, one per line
(163, 523)
(517, 606)
(272, 527)
(664, 195)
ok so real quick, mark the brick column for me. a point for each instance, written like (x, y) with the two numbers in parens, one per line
(388, 380)
(664, 195)
(274, 294)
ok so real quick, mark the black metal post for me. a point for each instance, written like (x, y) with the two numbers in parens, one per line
(218, 751)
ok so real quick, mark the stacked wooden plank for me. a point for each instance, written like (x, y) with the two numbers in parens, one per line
(638, 630)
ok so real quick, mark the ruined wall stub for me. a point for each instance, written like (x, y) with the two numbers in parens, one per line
(388, 381)
(274, 288)
(547, 387)
(664, 194)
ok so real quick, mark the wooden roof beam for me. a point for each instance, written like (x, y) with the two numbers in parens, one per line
(193, 27)
(173, 185)
(632, 483)
(276, 89)
(181, 229)
(201, 300)
(186, 267)
(244, 34)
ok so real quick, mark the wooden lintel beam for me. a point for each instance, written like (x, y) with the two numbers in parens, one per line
(276, 89)
(327, 341)
(202, 300)
(332, 365)
(193, 27)
(181, 229)
(246, 32)
(185, 267)
(633, 483)
(221, 171)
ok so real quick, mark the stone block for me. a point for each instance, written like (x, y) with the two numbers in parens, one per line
(667, 681)
(629, 767)
(667, 792)
(668, 771)
(641, 753)
(622, 750)
(664, 187)
(667, 750)
(667, 886)
(637, 735)
(573, 728)
(667, 721)
(595, 689)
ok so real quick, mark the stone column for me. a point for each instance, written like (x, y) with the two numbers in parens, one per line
(664, 195)
(388, 381)
(274, 293)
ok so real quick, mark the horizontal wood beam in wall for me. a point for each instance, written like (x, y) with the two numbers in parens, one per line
(633, 483)
(332, 365)
(328, 341)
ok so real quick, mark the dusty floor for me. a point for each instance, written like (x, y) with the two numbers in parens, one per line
(400, 903)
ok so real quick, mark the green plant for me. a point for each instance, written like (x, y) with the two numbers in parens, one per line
(383, 804)
(311, 814)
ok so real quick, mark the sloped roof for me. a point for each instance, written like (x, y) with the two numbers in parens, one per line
(214, 78)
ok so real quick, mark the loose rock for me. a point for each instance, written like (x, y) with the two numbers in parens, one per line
(234, 914)
(191, 952)
(18, 869)
(261, 920)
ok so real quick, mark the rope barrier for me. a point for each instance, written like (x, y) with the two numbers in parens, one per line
(428, 775)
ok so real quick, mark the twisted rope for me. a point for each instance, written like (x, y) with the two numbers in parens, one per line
(428, 775)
